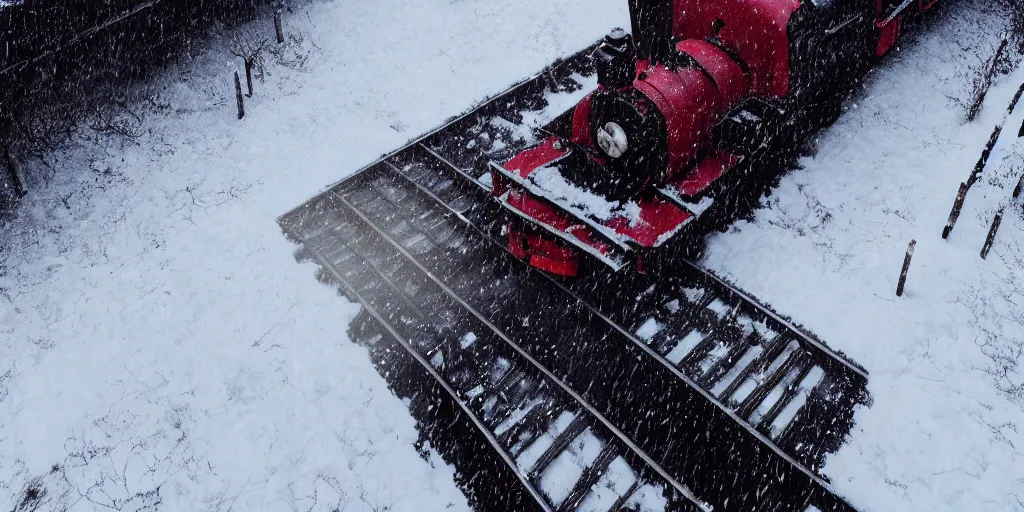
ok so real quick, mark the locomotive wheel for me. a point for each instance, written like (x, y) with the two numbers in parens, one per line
(828, 112)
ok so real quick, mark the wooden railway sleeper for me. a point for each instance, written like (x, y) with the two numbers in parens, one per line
(534, 422)
(722, 366)
(559, 445)
(772, 349)
(754, 399)
(589, 478)
(788, 395)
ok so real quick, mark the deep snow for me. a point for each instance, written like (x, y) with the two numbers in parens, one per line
(159, 342)
(827, 247)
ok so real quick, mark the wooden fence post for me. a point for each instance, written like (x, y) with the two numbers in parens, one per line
(277, 27)
(906, 266)
(1016, 99)
(248, 76)
(238, 96)
(980, 166)
(954, 214)
(991, 234)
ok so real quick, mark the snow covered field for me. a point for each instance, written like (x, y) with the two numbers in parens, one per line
(159, 342)
(945, 360)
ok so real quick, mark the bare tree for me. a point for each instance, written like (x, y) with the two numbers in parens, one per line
(116, 118)
(250, 49)
(1017, 23)
(293, 53)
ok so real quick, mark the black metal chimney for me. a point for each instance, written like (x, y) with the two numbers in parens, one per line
(652, 28)
(616, 60)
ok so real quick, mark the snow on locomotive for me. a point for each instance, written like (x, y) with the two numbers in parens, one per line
(685, 109)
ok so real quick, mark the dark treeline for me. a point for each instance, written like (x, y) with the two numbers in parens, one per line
(60, 60)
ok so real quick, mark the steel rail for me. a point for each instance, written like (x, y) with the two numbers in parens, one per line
(456, 119)
(636, 341)
(491, 439)
(703, 272)
(622, 437)
(764, 310)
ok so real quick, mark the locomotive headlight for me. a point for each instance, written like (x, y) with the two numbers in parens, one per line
(612, 140)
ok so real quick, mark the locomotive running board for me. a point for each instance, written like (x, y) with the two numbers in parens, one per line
(608, 235)
(605, 232)
(615, 264)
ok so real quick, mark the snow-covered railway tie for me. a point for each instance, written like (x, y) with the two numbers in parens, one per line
(781, 382)
(562, 451)
(421, 245)
(778, 380)
(691, 382)
(784, 383)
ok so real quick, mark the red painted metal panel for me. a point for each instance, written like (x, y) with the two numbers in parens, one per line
(890, 34)
(757, 29)
(732, 82)
(581, 123)
(705, 173)
(536, 157)
(658, 220)
(690, 103)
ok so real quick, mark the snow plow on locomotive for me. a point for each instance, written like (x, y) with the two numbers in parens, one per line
(687, 110)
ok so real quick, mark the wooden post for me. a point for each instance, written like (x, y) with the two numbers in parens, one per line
(954, 214)
(991, 233)
(1016, 99)
(277, 27)
(248, 76)
(980, 166)
(906, 266)
(238, 96)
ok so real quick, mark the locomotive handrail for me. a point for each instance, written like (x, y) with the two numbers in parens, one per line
(697, 209)
(895, 13)
(842, 25)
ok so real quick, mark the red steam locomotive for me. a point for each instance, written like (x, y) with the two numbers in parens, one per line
(685, 108)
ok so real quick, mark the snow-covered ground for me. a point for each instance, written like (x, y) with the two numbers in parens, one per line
(946, 429)
(159, 344)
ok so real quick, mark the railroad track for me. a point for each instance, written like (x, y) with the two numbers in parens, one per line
(562, 451)
(702, 392)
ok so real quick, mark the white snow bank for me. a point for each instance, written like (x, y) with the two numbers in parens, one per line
(945, 360)
(159, 343)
